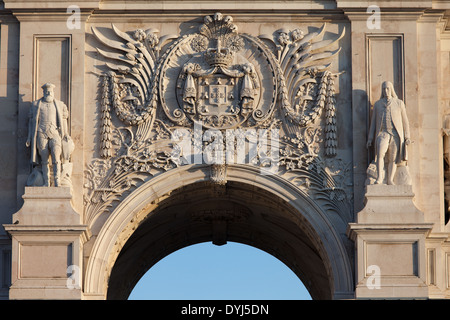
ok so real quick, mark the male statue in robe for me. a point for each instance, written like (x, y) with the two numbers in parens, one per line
(389, 130)
(48, 134)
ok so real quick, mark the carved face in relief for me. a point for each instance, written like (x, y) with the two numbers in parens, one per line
(48, 92)
(387, 90)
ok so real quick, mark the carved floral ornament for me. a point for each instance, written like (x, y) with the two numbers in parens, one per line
(223, 80)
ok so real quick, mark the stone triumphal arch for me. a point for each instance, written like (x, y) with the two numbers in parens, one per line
(316, 131)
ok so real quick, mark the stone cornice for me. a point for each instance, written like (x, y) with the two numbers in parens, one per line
(385, 4)
(255, 16)
(52, 10)
(441, 4)
(420, 15)
(26, 16)
(55, 10)
(258, 10)
(357, 14)
(168, 5)
(38, 5)
(82, 230)
(353, 229)
(217, 5)
(195, 5)
(434, 16)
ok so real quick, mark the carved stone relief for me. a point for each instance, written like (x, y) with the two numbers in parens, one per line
(201, 87)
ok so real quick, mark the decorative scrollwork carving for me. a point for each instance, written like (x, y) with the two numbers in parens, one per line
(222, 80)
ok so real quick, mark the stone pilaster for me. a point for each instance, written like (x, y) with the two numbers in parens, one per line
(390, 236)
(47, 240)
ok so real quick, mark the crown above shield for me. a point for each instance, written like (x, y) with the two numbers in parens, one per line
(219, 56)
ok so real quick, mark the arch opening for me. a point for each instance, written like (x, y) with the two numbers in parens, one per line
(237, 212)
(233, 271)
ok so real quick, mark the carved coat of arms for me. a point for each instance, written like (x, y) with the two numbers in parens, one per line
(215, 78)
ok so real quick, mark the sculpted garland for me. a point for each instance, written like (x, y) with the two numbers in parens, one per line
(223, 80)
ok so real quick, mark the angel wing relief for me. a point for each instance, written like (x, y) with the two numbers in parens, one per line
(307, 85)
(219, 77)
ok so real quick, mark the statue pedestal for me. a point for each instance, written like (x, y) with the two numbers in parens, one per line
(390, 238)
(47, 240)
(47, 206)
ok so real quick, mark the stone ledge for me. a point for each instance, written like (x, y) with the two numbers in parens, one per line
(54, 230)
(353, 229)
(383, 190)
(47, 193)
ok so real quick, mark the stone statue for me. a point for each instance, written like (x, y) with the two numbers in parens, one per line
(446, 134)
(446, 144)
(48, 137)
(390, 129)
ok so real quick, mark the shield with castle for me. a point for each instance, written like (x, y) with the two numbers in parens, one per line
(216, 77)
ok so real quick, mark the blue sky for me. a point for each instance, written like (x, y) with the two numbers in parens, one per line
(230, 272)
